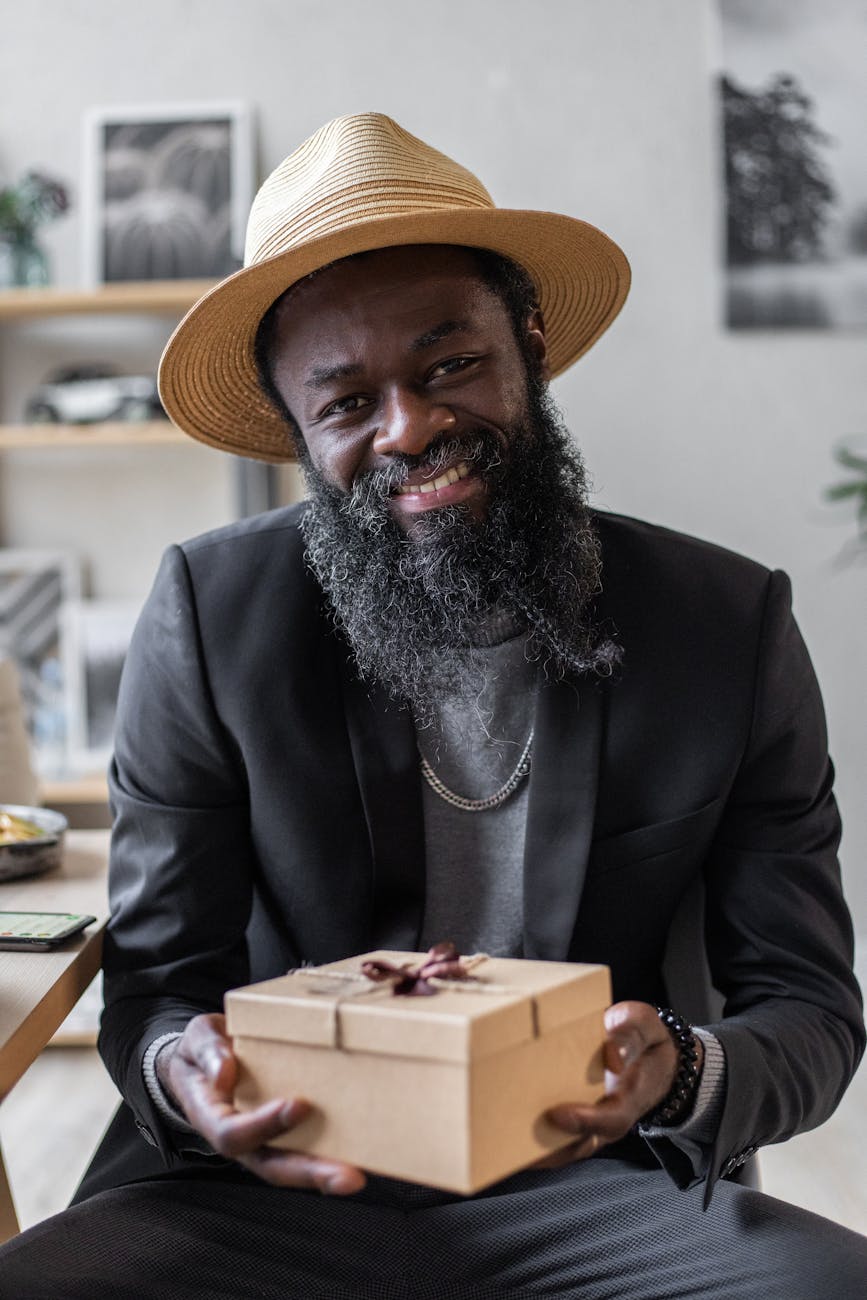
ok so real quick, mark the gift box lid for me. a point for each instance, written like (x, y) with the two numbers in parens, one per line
(508, 1002)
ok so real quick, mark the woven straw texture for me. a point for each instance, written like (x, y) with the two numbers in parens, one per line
(363, 183)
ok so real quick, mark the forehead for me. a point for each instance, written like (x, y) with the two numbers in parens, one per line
(390, 296)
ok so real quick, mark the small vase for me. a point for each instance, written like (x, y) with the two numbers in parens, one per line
(23, 264)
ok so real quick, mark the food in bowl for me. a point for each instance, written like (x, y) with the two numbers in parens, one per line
(14, 829)
(31, 840)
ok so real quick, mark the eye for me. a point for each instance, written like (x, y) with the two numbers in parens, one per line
(451, 366)
(345, 405)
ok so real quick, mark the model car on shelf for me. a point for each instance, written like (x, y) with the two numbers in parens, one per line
(90, 394)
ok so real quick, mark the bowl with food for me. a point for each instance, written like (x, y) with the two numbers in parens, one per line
(31, 840)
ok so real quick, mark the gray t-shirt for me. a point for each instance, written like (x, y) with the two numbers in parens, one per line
(474, 860)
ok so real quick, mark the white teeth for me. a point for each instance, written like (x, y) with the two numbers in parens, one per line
(451, 476)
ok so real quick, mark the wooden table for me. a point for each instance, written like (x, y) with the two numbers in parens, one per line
(39, 989)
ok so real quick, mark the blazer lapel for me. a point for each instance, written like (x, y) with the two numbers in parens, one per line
(560, 813)
(382, 737)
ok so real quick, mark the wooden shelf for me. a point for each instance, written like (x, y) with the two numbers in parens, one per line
(83, 800)
(170, 297)
(80, 790)
(16, 437)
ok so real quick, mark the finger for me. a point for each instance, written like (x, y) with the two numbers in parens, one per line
(234, 1133)
(609, 1120)
(293, 1169)
(635, 1092)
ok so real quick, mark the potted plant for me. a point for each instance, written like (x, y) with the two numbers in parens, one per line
(24, 207)
(851, 457)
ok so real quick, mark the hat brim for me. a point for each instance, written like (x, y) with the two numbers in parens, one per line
(208, 380)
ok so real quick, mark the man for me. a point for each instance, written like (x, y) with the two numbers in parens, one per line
(447, 700)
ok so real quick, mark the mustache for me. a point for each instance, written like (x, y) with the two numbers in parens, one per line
(480, 449)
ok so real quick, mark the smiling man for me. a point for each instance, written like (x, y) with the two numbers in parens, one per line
(414, 379)
(443, 698)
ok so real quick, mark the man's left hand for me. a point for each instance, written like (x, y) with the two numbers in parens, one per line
(641, 1063)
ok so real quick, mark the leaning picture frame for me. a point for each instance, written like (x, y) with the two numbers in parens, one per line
(166, 189)
(35, 587)
(96, 637)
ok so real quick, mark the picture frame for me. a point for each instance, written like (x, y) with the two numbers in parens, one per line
(793, 99)
(35, 587)
(96, 637)
(166, 190)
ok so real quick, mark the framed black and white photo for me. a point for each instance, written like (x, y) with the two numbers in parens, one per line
(794, 113)
(166, 191)
(96, 638)
(34, 587)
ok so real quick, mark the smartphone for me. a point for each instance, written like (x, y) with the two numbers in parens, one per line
(39, 931)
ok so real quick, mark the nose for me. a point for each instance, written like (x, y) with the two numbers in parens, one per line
(410, 422)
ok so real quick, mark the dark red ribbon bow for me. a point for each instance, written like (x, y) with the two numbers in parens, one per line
(442, 962)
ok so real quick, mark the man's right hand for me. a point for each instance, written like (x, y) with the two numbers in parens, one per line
(199, 1071)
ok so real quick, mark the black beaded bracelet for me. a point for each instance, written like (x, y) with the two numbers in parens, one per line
(678, 1102)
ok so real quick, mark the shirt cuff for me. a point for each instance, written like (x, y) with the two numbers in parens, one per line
(702, 1122)
(157, 1093)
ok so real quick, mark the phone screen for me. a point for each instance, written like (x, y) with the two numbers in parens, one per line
(39, 930)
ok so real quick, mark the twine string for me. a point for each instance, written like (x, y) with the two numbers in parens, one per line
(390, 980)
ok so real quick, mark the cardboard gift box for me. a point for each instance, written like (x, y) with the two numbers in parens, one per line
(448, 1090)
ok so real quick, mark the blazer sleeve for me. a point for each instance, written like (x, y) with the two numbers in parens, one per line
(779, 934)
(182, 859)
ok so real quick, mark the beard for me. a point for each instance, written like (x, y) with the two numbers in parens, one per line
(414, 606)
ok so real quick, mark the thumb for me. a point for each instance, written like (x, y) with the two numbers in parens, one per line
(220, 1066)
(624, 1043)
(212, 1053)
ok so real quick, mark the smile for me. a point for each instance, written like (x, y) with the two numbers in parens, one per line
(459, 471)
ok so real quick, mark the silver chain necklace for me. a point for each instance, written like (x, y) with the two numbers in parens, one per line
(479, 805)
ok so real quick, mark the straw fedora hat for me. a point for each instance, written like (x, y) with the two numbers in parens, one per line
(362, 183)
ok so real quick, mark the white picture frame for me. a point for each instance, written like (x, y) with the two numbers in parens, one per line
(35, 587)
(96, 636)
(166, 190)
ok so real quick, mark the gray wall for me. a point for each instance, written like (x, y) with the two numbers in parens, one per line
(599, 108)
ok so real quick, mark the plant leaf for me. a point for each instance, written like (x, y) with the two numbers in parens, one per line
(851, 459)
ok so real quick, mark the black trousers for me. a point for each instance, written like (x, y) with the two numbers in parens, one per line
(604, 1229)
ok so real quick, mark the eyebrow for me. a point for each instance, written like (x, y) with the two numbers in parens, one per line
(322, 376)
(439, 332)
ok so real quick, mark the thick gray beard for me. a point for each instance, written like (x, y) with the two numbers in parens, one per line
(412, 608)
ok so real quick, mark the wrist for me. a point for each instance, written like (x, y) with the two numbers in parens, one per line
(677, 1104)
(158, 1085)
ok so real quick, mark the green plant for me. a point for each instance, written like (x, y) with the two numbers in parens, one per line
(854, 489)
(36, 198)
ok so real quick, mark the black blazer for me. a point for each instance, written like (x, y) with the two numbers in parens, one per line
(268, 810)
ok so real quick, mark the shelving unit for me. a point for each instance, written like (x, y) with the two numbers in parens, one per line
(256, 486)
(150, 297)
(84, 799)
(154, 297)
(14, 437)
